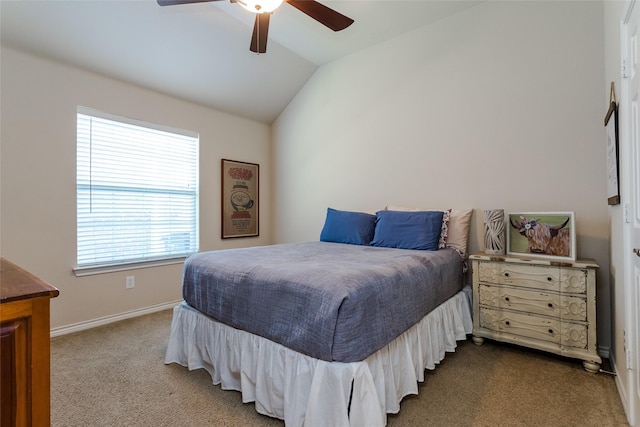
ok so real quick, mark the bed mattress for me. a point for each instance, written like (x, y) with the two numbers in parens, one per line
(330, 301)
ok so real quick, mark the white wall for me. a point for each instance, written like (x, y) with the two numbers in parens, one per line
(38, 154)
(499, 106)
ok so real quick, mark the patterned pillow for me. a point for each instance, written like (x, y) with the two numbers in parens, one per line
(442, 243)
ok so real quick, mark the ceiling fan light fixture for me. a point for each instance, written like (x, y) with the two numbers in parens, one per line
(260, 6)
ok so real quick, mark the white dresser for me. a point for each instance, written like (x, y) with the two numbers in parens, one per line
(537, 303)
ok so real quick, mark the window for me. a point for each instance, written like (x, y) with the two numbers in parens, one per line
(137, 191)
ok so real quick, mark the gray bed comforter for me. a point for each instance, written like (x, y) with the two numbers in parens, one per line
(331, 301)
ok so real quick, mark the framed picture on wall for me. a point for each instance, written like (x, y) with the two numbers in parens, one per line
(613, 174)
(550, 235)
(240, 199)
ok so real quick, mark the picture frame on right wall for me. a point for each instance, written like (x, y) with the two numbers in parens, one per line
(546, 235)
(613, 174)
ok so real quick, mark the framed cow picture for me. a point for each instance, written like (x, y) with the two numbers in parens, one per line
(548, 235)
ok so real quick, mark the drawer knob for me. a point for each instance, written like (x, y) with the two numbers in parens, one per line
(550, 305)
(507, 323)
(506, 274)
(549, 279)
(551, 331)
(506, 299)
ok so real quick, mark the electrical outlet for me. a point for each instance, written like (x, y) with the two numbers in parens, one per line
(130, 282)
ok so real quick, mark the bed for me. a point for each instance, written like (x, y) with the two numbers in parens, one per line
(327, 333)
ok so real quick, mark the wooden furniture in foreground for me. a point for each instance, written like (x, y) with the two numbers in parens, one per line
(537, 303)
(24, 347)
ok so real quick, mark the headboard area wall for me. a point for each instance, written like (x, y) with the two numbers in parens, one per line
(499, 106)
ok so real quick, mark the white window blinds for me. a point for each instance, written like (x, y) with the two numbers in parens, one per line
(137, 191)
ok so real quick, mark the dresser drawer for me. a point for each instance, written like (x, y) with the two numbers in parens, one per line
(530, 276)
(526, 325)
(533, 276)
(541, 328)
(565, 307)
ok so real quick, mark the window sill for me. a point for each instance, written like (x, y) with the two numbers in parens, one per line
(112, 268)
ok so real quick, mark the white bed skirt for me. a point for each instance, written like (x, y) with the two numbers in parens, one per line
(309, 392)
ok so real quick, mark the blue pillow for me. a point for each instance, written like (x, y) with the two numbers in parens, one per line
(355, 228)
(408, 230)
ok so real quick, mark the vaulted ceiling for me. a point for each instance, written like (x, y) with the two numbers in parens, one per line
(200, 52)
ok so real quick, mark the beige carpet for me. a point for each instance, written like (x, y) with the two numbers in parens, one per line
(115, 376)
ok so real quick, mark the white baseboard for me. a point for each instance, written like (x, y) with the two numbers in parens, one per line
(622, 391)
(81, 326)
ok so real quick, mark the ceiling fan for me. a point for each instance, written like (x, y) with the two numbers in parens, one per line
(263, 9)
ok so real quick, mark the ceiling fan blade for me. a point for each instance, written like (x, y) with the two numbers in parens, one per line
(260, 31)
(323, 14)
(175, 2)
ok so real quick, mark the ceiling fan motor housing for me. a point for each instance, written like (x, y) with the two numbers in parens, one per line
(260, 6)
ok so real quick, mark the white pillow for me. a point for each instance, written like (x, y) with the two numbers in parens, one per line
(368, 211)
(459, 225)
